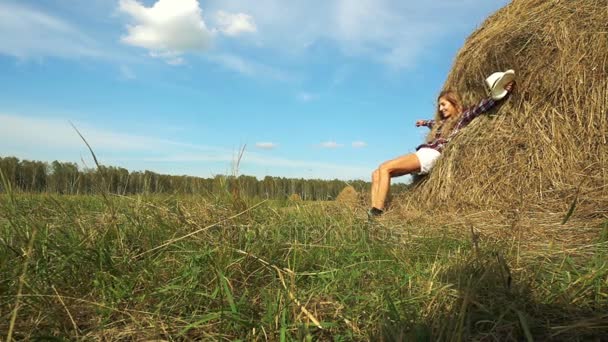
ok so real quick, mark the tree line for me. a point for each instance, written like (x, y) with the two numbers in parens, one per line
(68, 178)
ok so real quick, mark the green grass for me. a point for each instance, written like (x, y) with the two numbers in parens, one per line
(268, 272)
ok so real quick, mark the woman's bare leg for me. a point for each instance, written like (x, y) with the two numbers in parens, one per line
(375, 184)
(381, 178)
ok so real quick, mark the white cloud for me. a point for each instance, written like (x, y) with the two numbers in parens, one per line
(233, 24)
(330, 144)
(266, 145)
(168, 28)
(171, 28)
(359, 144)
(29, 33)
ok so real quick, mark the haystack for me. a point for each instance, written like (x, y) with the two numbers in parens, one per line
(295, 197)
(547, 145)
(348, 196)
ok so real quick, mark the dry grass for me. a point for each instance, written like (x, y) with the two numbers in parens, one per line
(317, 272)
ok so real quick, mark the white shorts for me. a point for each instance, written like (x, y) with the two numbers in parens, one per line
(427, 157)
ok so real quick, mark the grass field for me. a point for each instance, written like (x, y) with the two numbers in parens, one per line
(181, 268)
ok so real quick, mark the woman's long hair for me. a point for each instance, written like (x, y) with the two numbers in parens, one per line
(448, 124)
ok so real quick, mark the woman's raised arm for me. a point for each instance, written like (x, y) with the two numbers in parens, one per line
(483, 106)
(427, 123)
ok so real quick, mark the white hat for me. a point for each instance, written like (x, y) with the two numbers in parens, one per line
(497, 82)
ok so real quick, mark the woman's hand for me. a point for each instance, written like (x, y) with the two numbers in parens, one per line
(509, 87)
(420, 123)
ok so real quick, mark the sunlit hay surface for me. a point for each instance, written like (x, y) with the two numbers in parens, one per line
(547, 145)
(348, 196)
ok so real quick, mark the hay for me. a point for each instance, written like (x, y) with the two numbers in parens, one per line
(295, 198)
(548, 143)
(348, 196)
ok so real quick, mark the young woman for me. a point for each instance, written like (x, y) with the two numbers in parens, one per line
(449, 119)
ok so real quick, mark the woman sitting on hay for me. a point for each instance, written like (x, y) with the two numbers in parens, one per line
(449, 120)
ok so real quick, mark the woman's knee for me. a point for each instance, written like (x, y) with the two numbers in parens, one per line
(384, 169)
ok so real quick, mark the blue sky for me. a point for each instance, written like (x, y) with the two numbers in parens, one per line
(313, 89)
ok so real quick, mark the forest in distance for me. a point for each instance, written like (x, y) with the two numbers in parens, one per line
(68, 178)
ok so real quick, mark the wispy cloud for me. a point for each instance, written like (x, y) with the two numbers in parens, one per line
(266, 145)
(58, 133)
(340, 75)
(304, 96)
(233, 24)
(252, 162)
(330, 144)
(330, 170)
(391, 32)
(359, 144)
(127, 73)
(248, 67)
(28, 33)
(394, 33)
(56, 136)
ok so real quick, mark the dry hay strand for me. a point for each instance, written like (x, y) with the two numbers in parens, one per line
(348, 196)
(547, 145)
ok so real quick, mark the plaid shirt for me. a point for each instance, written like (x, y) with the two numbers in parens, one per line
(438, 143)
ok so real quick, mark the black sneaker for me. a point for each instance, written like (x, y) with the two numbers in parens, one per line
(374, 212)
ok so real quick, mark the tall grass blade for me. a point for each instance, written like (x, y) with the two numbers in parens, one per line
(99, 169)
(204, 320)
(524, 325)
(26, 261)
(571, 209)
(392, 309)
(88, 146)
(226, 290)
(283, 329)
(604, 233)
(6, 184)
